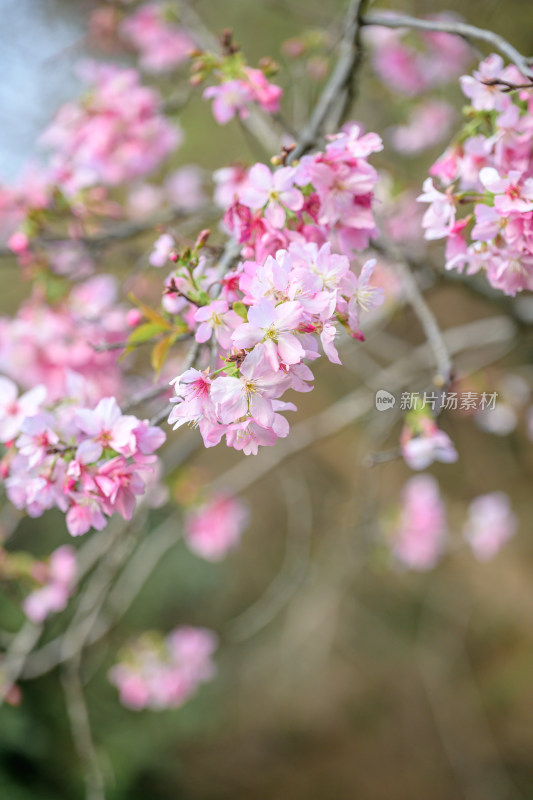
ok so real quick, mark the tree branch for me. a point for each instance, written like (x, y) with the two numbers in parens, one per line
(425, 315)
(81, 730)
(388, 19)
(339, 82)
(121, 232)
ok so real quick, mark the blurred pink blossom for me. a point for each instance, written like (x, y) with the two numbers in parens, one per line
(427, 125)
(216, 527)
(160, 673)
(58, 586)
(420, 535)
(490, 524)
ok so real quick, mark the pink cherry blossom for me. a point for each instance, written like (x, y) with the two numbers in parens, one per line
(216, 317)
(53, 596)
(229, 98)
(273, 327)
(250, 394)
(215, 527)
(266, 94)
(490, 524)
(429, 445)
(159, 673)
(162, 45)
(163, 246)
(420, 535)
(14, 409)
(275, 190)
(106, 427)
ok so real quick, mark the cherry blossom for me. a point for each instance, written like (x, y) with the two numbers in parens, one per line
(90, 463)
(420, 534)
(275, 190)
(215, 527)
(487, 174)
(159, 673)
(490, 524)
(59, 584)
(424, 443)
(162, 44)
(15, 409)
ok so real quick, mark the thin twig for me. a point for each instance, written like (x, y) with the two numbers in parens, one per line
(425, 315)
(84, 629)
(229, 255)
(81, 729)
(120, 232)
(12, 665)
(147, 394)
(389, 19)
(94, 624)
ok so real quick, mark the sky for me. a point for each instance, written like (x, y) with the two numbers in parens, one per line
(40, 40)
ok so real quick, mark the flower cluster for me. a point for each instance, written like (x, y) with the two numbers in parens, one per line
(237, 86)
(89, 462)
(215, 527)
(326, 197)
(274, 309)
(234, 97)
(161, 42)
(286, 306)
(488, 172)
(159, 673)
(115, 133)
(58, 579)
(55, 345)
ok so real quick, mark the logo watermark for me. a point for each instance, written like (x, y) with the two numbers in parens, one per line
(437, 401)
(384, 400)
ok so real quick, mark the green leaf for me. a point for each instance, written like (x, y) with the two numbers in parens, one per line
(241, 310)
(145, 332)
(151, 314)
(159, 353)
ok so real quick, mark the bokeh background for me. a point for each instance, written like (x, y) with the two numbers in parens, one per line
(341, 676)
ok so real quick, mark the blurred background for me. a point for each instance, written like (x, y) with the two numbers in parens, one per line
(342, 676)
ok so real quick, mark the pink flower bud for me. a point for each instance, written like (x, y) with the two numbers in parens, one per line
(133, 317)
